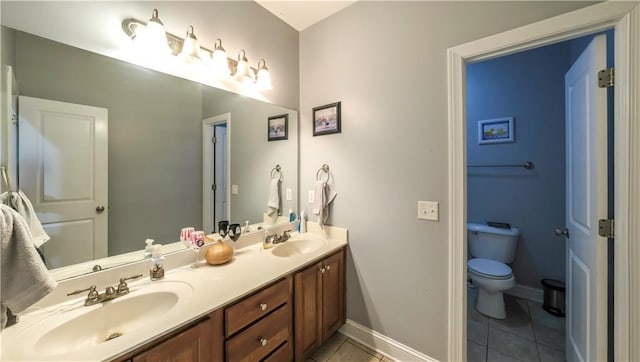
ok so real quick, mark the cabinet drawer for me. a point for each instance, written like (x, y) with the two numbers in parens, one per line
(282, 354)
(259, 340)
(251, 309)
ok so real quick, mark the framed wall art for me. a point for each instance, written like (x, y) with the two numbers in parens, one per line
(278, 127)
(326, 119)
(498, 130)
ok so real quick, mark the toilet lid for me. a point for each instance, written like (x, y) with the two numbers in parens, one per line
(489, 268)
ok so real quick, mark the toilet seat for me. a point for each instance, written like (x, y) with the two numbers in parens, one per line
(490, 269)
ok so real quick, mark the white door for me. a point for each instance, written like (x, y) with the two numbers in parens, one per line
(62, 163)
(586, 158)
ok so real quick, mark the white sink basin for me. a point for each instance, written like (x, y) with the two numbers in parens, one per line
(298, 247)
(92, 326)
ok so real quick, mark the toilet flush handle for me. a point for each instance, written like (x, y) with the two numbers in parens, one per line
(562, 232)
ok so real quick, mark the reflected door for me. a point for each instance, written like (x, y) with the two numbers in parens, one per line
(220, 157)
(586, 157)
(62, 162)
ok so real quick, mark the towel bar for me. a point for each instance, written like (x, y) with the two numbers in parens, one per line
(527, 165)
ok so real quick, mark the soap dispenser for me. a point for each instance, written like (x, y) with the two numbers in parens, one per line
(148, 249)
(156, 265)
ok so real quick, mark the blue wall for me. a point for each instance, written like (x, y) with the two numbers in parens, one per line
(530, 87)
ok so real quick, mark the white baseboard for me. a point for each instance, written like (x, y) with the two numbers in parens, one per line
(382, 344)
(525, 292)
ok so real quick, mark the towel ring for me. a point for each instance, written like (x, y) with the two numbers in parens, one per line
(5, 177)
(325, 169)
(276, 171)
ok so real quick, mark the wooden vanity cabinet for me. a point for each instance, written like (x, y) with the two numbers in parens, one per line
(260, 327)
(198, 342)
(319, 303)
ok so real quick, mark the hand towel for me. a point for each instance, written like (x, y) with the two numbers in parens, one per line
(25, 278)
(18, 201)
(273, 205)
(324, 195)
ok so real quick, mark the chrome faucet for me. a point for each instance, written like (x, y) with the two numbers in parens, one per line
(109, 292)
(273, 239)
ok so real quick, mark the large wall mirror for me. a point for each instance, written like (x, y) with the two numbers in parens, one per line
(154, 155)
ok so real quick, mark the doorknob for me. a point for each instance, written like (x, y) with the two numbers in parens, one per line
(562, 232)
(99, 209)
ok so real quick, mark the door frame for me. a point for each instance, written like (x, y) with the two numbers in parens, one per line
(624, 17)
(208, 176)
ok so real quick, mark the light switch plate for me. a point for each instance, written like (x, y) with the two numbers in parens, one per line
(234, 189)
(312, 196)
(428, 210)
(289, 194)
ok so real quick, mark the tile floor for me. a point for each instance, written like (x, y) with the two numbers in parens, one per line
(529, 333)
(339, 348)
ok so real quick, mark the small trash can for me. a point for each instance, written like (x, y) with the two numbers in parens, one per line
(554, 291)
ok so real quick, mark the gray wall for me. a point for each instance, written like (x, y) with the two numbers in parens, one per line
(530, 87)
(155, 147)
(252, 156)
(386, 62)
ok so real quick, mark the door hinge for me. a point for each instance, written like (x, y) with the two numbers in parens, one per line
(606, 228)
(213, 187)
(606, 78)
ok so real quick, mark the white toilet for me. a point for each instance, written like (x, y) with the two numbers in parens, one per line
(491, 249)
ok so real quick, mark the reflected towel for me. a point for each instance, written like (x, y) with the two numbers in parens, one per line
(323, 198)
(18, 201)
(273, 205)
(25, 278)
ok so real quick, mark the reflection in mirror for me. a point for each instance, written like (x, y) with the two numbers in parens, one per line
(112, 154)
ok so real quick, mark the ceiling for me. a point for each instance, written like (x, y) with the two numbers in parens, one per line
(301, 14)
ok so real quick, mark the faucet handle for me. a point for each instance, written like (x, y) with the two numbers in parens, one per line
(92, 297)
(91, 290)
(123, 288)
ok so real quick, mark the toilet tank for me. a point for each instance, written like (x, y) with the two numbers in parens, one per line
(492, 243)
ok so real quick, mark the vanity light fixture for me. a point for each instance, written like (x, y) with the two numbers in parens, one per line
(219, 61)
(190, 48)
(263, 79)
(243, 72)
(152, 40)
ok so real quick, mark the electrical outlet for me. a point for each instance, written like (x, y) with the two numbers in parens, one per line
(428, 210)
(289, 194)
(234, 189)
(312, 196)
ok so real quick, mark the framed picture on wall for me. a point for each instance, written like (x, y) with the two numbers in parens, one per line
(498, 130)
(278, 127)
(326, 119)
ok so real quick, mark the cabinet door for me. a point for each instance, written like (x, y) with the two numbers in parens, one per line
(332, 294)
(192, 345)
(308, 290)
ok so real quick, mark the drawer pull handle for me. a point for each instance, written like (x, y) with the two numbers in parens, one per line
(263, 306)
(322, 270)
(263, 342)
(328, 267)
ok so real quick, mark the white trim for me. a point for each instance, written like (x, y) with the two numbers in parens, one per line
(207, 167)
(382, 344)
(625, 17)
(528, 293)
